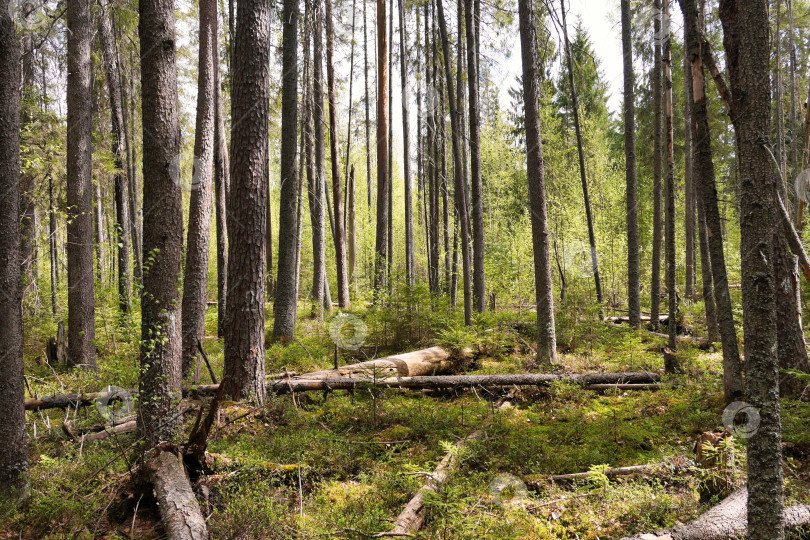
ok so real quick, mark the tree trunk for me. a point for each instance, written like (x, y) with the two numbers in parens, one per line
(704, 179)
(351, 233)
(410, 261)
(689, 189)
(221, 183)
(381, 241)
(316, 180)
(655, 286)
(54, 257)
(28, 196)
(479, 281)
(462, 202)
(179, 511)
(367, 105)
(195, 279)
(745, 39)
(136, 233)
(81, 301)
(389, 268)
(161, 353)
(285, 307)
(340, 230)
(13, 443)
(120, 178)
(669, 189)
(244, 329)
(581, 152)
(633, 294)
(546, 337)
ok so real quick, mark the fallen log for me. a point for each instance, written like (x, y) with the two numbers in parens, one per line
(288, 386)
(729, 519)
(674, 466)
(412, 516)
(118, 429)
(663, 318)
(630, 386)
(76, 400)
(432, 361)
(178, 506)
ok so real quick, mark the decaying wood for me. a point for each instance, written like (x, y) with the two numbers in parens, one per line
(118, 429)
(413, 515)
(178, 506)
(676, 465)
(727, 520)
(432, 361)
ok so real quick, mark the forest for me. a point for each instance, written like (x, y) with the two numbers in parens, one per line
(404, 268)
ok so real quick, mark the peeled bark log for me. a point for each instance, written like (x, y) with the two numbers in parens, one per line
(729, 519)
(433, 361)
(413, 515)
(182, 519)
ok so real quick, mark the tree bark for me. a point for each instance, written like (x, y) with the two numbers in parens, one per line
(120, 179)
(195, 279)
(745, 39)
(81, 301)
(581, 152)
(655, 286)
(461, 199)
(244, 329)
(669, 189)
(221, 183)
(410, 261)
(689, 189)
(633, 287)
(704, 178)
(285, 307)
(28, 208)
(367, 105)
(13, 438)
(179, 511)
(381, 237)
(546, 337)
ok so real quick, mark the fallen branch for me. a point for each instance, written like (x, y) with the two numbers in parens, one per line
(729, 519)
(675, 465)
(178, 506)
(412, 516)
(629, 386)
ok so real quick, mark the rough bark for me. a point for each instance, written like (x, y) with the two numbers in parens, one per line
(410, 261)
(546, 337)
(160, 376)
(244, 329)
(655, 273)
(316, 181)
(195, 279)
(122, 230)
(340, 226)
(689, 189)
(351, 230)
(381, 236)
(669, 188)
(745, 39)
(581, 153)
(13, 444)
(704, 180)
(412, 516)
(460, 185)
(285, 307)
(221, 182)
(81, 301)
(179, 511)
(367, 105)
(633, 287)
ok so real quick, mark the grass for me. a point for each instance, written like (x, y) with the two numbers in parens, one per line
(343, 465)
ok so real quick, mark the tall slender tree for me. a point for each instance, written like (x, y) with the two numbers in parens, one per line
(367, 104)
(745, 39)
(195, 279)
(244, 329)
(160, 376)
(81, 301)
(633, 294)
(546, 337)
(381, 237)
(13, 444)
(688, 180)
(669, 187)
(410, 260)
(221, 182)
(655, 272)
(285, 307)
(340, 228)
(111, 70)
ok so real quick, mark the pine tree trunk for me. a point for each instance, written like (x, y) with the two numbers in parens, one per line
(221, 183)
(81, 302)
(406, 159)
(655, 273)
(195, 280)
(461, 199)
(745, 39)
(546, 338)
(581, 152)
(13, 444)
(244, 329)
(367, 105)
(389, 267)
(704, 178)
(351, 233)
(669, 189)
(381, 241)
(120, 178)
(285, 307)
(689, 189)
(633, 294)
(316, 191)
(161, 354)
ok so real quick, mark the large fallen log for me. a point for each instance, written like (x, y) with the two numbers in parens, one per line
(663, 318)
(432, 361)
(729, 519)
(412, 516)
(288, 386)
(178, 506)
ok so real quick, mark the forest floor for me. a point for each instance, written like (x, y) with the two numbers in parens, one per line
(344, 464)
